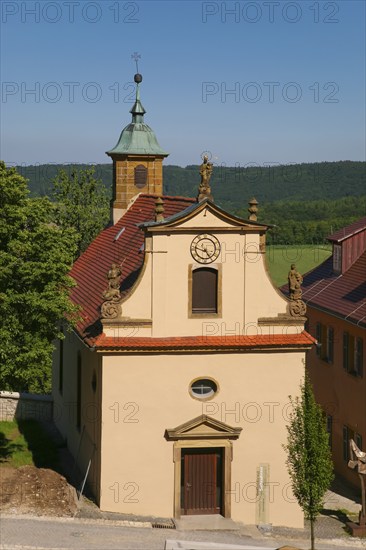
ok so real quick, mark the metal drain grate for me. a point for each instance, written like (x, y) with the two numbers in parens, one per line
(162, 525)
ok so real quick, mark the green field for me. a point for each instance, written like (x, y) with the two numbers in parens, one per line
(24, 442)
(306, 257)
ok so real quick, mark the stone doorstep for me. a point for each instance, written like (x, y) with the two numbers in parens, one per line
(171, 544)
(208, 522)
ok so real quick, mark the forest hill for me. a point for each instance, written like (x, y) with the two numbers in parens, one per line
(306, 202)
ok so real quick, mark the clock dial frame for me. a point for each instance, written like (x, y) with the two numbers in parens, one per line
(205, 248)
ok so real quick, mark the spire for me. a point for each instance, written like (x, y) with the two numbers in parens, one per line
(137, 138)
(137, 159)
(137, 110)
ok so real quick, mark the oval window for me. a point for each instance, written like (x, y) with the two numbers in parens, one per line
(203, 388)
(140, 176)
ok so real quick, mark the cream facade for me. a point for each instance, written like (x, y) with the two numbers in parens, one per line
(141, 464)
(173, 391)
(136, 418)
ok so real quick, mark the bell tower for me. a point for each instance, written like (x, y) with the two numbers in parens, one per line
(137, 160)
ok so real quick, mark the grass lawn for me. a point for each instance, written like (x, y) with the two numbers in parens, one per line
(306, 257)
(24, 442)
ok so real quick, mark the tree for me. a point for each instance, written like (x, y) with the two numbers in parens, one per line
(309, 459)
(35, 258)
(82, 203)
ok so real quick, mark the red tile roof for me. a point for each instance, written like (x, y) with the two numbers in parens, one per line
(349, 231)
(343, 295)
(203, 343)
(90, 270)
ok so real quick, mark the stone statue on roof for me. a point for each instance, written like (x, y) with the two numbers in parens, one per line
(294, 283)
(111, 308)
(204, 190)
(297, 307)
(112, 292)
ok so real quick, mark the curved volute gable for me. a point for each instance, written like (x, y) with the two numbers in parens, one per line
(160, 304)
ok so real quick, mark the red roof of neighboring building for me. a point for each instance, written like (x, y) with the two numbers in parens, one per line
(194, 343)
(349, 231)
(343, 295)
(111, 246)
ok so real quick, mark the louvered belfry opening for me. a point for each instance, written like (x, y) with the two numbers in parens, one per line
(204, 290)
(140, 176)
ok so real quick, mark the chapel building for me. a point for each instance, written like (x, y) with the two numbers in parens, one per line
(173, 391)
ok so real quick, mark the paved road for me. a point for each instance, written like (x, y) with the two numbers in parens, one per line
(24, 532)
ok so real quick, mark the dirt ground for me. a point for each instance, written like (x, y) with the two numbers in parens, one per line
(36, 491)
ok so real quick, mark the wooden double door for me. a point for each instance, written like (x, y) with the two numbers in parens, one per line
(201, 481)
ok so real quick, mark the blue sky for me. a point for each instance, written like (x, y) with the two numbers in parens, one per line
(251, 82)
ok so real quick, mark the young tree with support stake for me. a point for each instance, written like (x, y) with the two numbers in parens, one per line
(309, 459)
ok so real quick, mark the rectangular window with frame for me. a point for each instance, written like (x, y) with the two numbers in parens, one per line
(337, 258)
(329, 425)
(359, 356)
(325, 338)
(358, 441)
(330, 344)
(204, 291)
(347, 435)
(346, 351)
(318, 335)
(353, 354)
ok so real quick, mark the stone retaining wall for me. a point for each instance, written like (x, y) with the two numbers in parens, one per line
(25, 406)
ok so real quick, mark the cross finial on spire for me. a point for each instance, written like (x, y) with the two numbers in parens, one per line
(136, 56)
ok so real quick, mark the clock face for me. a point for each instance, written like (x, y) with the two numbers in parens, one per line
(205, 248)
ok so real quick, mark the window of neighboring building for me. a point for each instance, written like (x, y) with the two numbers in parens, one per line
(353, 354)
(78, 392)
(337, 258)
(329, 425)
(204, 290)
(330, 344)
(348, 434)
(140, 176)
(325, 337)
(359, 356)
(346, 351)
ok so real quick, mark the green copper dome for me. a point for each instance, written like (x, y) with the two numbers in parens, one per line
(137, 138)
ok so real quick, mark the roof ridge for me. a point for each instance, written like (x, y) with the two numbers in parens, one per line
(169, 197)
(349, 230)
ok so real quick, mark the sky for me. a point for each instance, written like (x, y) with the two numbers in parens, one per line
(251, 82)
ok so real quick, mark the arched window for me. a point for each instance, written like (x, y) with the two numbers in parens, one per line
(140, 176)
(204, 290)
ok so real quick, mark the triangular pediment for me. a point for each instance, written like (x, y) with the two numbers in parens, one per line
(202, 427)
(220, 218)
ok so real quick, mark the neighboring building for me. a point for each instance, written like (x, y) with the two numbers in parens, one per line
(173, 391)
(335, 294)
